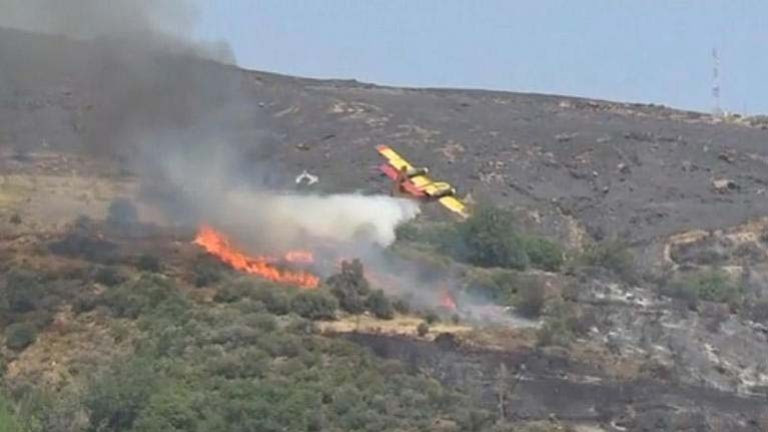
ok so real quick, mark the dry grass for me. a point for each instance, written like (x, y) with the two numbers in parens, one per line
(401, 325)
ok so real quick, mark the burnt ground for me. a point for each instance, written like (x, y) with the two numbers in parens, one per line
(538, 385)
(641, 171)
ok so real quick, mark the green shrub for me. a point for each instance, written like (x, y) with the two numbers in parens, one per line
(496, 285)
(315, 305)
(488, 239)
(544, 254)
(19, 336)
(8, 420)
(711, 285)
(350, 286)
(380, 306)
(613, 255)
(229, 293)
(130, 300)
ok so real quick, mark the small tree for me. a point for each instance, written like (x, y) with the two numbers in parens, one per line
(380, 305)
(350, 286)
(489, 239)
(544, 254)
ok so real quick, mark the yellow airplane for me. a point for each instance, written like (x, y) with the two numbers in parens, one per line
(414, 182)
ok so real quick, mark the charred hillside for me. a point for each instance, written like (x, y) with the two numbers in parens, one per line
(636, 170)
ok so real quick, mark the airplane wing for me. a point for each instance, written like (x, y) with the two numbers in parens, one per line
(454, 205)
(393, 158)
(416, 184)
(421, 184)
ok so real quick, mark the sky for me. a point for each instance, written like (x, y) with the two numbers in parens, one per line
(652, 51)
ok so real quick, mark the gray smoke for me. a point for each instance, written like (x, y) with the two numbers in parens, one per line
(187, 125)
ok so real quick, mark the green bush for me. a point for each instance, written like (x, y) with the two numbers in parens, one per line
(544, 254)
(18, 336)
(8, 420)
(131, 299)
(711, 285)
(380, 306)
(350, 286)
(488, 239)
(315, 305)
(613, 255)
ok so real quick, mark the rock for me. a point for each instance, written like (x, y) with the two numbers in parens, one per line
(689, 166)
(565, 137)
(624, 168)
(725, 185)
(727, 157)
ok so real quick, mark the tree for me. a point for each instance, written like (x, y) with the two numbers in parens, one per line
(350, 286)
(544, 254)
(489, 239)
(380, 305)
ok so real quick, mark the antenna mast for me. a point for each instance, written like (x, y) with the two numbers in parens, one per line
(716, 110)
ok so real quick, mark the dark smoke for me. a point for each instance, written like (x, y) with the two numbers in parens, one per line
(166, 106)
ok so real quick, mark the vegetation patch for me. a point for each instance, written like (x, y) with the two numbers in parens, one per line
(710, 285)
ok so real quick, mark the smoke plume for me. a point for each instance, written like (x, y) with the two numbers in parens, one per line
(188, 126)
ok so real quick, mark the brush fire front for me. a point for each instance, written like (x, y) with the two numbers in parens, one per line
(295, 267)
(267, 267)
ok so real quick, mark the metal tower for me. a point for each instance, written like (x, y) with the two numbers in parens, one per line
(717, 111)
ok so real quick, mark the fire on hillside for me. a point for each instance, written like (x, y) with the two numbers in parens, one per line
(267, 267)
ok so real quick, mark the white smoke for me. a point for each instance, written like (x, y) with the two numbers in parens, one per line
(288, 220)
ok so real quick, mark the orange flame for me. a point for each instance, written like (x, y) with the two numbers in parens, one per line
(447, 301)
(218, 245)
(304, 257)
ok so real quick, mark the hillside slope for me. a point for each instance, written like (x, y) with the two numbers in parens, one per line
(629, 169)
